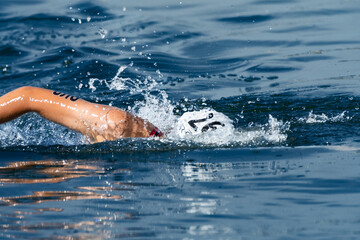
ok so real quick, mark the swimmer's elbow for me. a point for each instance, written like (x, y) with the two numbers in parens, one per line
(26, 92)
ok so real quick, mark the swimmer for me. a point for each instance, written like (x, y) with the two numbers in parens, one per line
(97, 122)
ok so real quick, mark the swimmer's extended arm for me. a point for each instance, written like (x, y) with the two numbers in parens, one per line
(98, 122)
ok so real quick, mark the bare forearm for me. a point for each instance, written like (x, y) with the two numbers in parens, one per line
(49, 104)
(69, 111)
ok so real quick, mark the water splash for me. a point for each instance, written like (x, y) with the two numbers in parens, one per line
(323, 118)
(119, 83)
(155, 107)
(31, 129)
(273, 132)
(158, 110)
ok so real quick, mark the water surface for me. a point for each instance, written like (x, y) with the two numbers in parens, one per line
(285, 72)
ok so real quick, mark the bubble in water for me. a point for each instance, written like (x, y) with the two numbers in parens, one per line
(103, 32)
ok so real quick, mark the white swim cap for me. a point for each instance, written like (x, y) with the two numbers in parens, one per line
(194, 123)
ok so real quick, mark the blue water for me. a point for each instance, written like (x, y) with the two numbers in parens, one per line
(285, 72)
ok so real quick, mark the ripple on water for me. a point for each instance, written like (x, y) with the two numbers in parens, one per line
(96, 12)
(10, 51)
(227, 47)
(181, 65)
(247, 19)
(271, 69)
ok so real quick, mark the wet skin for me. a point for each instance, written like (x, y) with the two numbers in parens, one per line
(98, 122)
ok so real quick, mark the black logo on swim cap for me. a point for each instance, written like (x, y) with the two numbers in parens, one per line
(211, 125)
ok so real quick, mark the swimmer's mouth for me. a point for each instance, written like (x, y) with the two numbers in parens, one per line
(156, 133)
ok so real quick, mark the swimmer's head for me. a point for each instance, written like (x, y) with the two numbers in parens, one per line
(203, 121)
